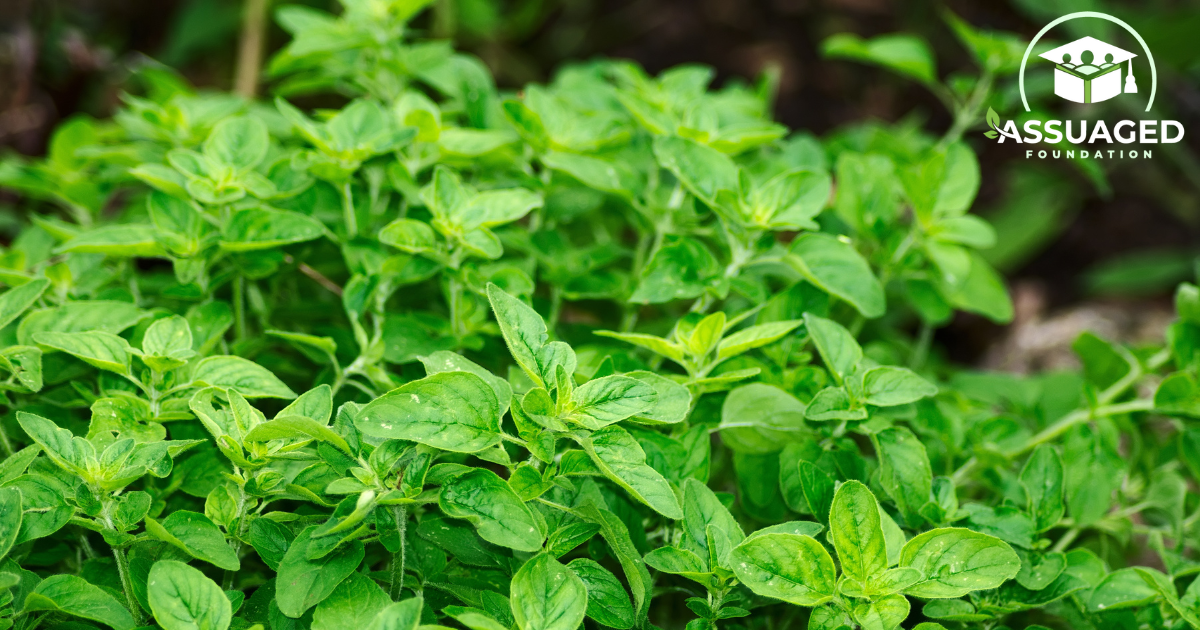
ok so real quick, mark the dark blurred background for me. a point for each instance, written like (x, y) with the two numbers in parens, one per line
(1082, 248)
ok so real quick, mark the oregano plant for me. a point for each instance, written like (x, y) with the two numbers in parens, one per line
(616, 351)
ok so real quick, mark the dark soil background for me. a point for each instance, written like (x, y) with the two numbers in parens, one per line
(1118, 246)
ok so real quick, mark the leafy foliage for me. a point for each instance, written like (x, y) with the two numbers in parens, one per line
(608, 352)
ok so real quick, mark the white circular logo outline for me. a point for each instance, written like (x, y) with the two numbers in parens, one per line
(1092, 14)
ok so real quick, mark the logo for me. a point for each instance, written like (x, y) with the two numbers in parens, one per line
(1088, 71)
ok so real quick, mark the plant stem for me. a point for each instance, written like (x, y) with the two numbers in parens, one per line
(239, 307)
(1066, 423)
(454, 288)
(1066, 539)
(4, 443)
(400, 514)
(556, 298)
(348, 212)
(254, 28)
(236, 543)
(921, 350)
(966, 115)
(135, 609)
(122, 565)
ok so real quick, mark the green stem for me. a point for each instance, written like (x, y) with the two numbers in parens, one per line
(921, 350)
(966, 115)
(1066, 539)
(455, 288)
(122, 565)
(348, 211)
(4, 443)
(1079, 417)
(1066, 423)
(239, 307)
(135, 609)
(236, 543)
(400, 514)
(556, 298)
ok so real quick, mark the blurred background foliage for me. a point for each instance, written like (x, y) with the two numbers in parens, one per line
(1083, 246)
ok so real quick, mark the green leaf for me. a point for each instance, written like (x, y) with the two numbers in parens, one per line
(657, 345)
(453, 411)
(621, 459)
(497, 207)
(788, 567)
(353, 604)
(607, 602)
(952, 610)
(1042, 478)
(72, 595)
(84, 316)
(703, 170)
(889, 386)
(905, 54)
(856, 533)
(125, 241)
(837, 268)
(99, 349)
(167, 343)
(445, 361)
(672, 401)
(269, 539)
(261, 228)
(316, 404)
(1187, 303)
(297, 427)
(546, 595)
(60, 445)
(702, 510)
(239, 143)
(683, 268)
(10, 518)
(603, 401)
(904, 471)
(18, 299)
(245, 377)
(410, 235)
(754, 337)
(790, 200)
(498, 514)
(44, 499)
(833, 403)
(197, 535)
(1178, 394)
(678, 561)
(982, 292)
(884, 613)
(958, 561)
(965, 230)
(1124, 588)
(817, 487)
(303, 583)
(837, 346)
(1039, 570)
(616, 534)
(403, 615)
(526, 335)
(760, 419)
(183, 598)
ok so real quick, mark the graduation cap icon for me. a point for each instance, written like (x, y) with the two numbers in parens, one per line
(1088, 70)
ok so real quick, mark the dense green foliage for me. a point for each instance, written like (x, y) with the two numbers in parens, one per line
(612, 351)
